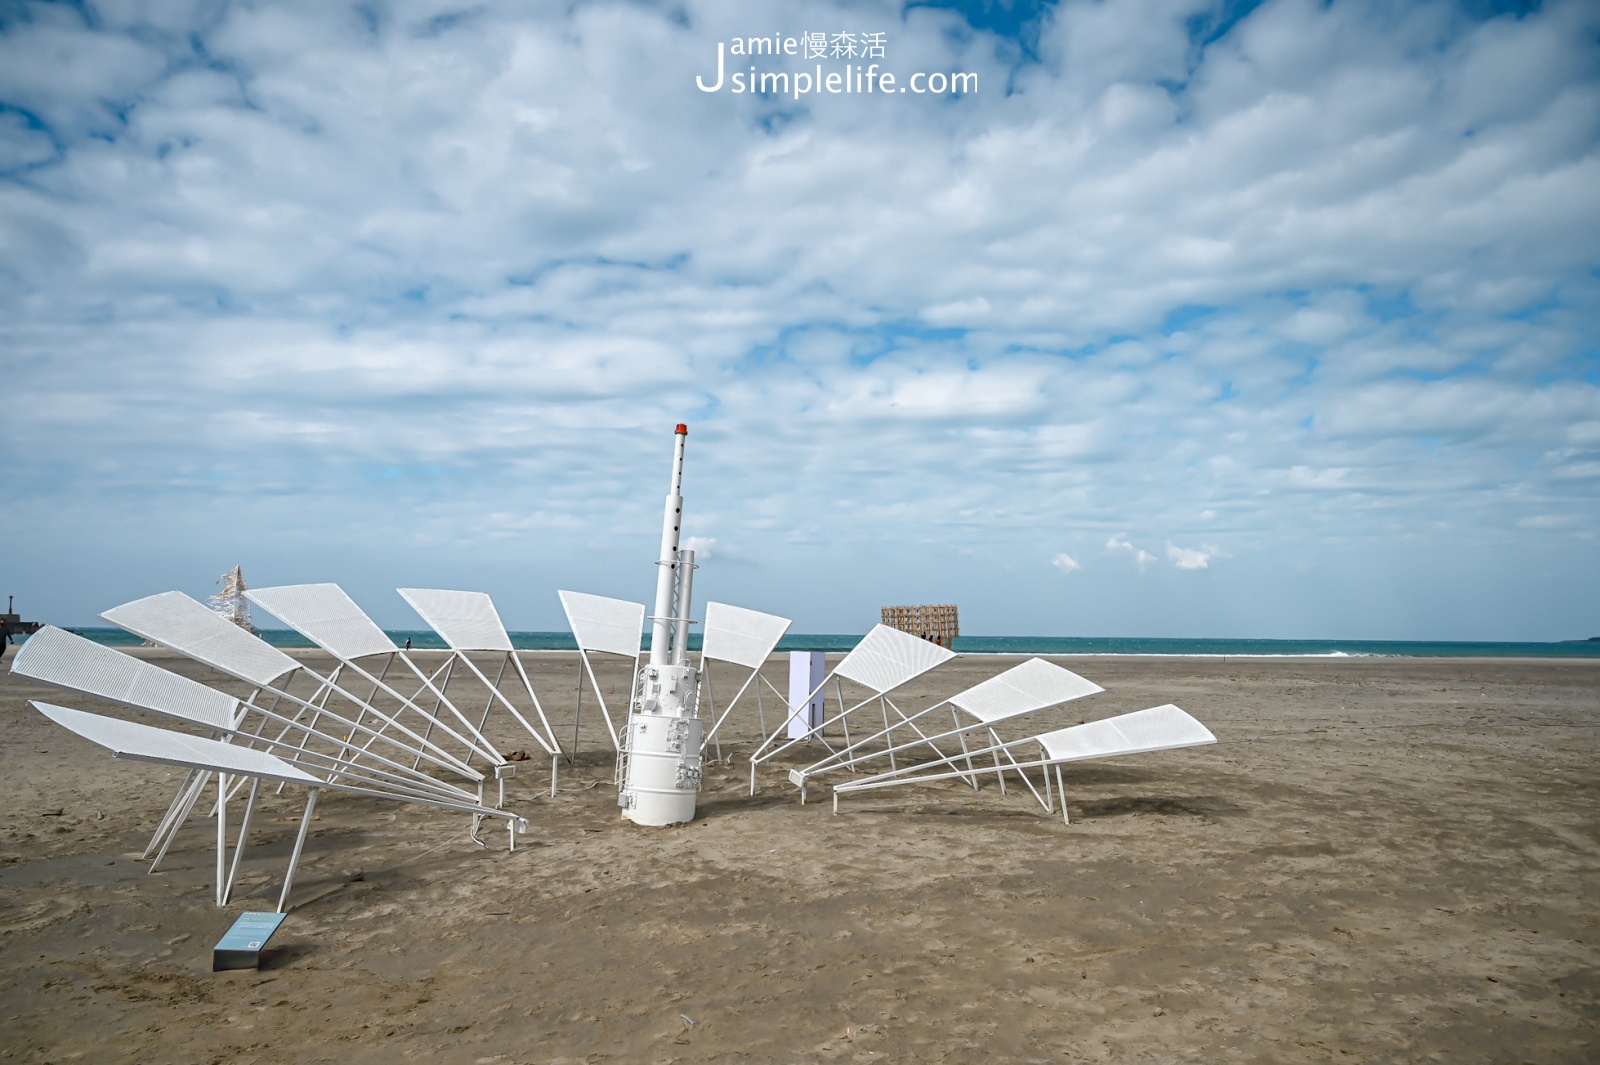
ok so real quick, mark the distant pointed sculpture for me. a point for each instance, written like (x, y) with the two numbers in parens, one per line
(231, 603)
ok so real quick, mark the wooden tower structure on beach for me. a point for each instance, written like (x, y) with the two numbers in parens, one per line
(231, 603)
(938, 624)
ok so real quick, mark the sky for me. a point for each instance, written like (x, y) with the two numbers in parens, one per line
(1184, 318)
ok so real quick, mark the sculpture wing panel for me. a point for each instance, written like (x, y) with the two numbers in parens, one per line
(326, 616)
(59, 657)
(602, 624)
(1022, 689)
(886, 658)
(743, 637)
(1160, 728)
(173, 620)
(468, 621)
(129, 739)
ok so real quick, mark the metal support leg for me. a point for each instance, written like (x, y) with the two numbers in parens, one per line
(887, 731)
(761, 713)
(177, 822)
(244, 835)
(711, 700)
(577, 717)
(1062, 791)
(173, 807)
(965, 751)
(1000, 773)
(222, 831)
(299, 844)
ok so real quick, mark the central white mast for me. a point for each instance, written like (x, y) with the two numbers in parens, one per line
(666, 615)
(662, 747)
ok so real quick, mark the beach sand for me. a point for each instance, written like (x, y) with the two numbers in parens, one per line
(1381, 860)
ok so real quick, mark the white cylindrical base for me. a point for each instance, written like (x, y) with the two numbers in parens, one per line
(663, 769)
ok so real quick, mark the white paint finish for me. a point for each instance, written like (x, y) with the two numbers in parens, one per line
(129, 739)
(613, 626)
(886, 658)
(467, 621)
(174, 620)
(743, 637)
(1160, 728)
(326, 616)
(59, 657)
(1022, 689)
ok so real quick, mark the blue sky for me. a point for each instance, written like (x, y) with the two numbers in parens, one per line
(1195, 319)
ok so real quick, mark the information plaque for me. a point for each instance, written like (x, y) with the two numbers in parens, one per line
(241, 948)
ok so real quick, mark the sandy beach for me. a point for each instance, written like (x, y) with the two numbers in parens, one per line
(1381, 860)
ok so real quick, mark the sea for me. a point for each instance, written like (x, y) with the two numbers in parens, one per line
(1024, 645)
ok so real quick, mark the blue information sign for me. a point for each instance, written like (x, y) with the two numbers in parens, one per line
(241, 947)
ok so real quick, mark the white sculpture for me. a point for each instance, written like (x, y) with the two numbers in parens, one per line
(1160, 728)
(301, 727)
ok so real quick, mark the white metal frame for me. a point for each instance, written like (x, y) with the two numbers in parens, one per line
(603, 625)
(1024, 689)
(468, 621)
(179, 623)
(745, 638)
(884, 660)
(1159, 728)
(59, 657)
(128, 739)
(329, 618)
(70, 661)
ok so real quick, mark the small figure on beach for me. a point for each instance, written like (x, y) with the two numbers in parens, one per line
(408, 643)
(5, 637)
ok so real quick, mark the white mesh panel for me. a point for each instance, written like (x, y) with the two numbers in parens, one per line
(1022, 689)
(59, 657)
(1160, 728)
(133, 740)
(326, 616)
(886, 658)
(602, 624)
(468, 621)
(173, 620)
(743, 637)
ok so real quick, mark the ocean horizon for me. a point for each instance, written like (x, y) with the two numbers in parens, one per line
(424, 639)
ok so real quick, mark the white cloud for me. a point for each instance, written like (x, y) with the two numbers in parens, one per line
(1325, 278)
(1142, 559)
(704, 547)
(1193, 557)
(1066, 563)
